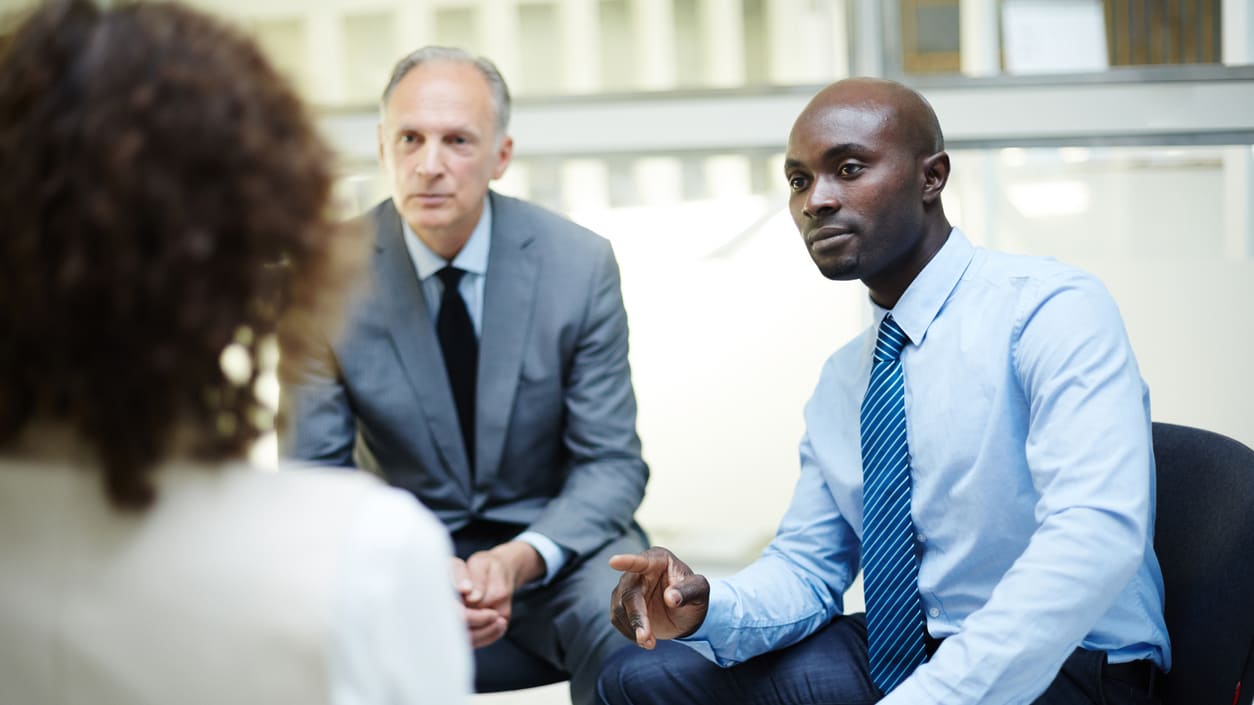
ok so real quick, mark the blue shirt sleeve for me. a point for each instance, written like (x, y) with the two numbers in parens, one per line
(795, 588)
(554, 556)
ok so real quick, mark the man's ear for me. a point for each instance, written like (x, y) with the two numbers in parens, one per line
(504, 154)
(935, 176)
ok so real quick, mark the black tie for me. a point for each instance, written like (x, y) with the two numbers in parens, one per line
(461, 354)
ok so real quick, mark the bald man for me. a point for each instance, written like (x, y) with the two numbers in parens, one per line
(982, 453)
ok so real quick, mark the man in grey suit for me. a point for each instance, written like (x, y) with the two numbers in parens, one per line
(486, 372)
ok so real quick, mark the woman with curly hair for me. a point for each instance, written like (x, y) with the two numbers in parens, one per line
(164, 230)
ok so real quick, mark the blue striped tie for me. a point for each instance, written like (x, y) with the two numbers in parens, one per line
(894, 613)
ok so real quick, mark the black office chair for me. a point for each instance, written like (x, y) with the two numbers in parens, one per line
(1204, 538)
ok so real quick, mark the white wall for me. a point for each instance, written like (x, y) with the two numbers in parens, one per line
(725, 350)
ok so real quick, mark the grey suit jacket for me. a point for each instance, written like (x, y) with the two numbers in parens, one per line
(555, 426)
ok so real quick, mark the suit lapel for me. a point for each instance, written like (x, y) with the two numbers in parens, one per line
(413, 335)
(508, 302)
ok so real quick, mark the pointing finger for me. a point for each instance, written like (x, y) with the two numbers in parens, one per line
(654, 560)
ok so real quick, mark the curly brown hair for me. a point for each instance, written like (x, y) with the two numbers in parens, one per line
(165, 197)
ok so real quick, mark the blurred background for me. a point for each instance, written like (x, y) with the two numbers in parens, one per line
(1116, 135)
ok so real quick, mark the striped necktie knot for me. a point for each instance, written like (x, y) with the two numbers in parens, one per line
(890, 341)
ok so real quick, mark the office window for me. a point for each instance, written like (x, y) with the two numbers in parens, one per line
(540, 51)
(930, 36)
(456, 26)
(369, 55)
(757, 55)
(617, 56)
(285, 43)
(690, 69)
(1145, 32)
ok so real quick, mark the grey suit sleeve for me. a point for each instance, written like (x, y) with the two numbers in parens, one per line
(606, 478)
(321, 428)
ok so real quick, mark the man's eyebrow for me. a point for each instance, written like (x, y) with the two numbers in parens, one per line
(841, 150)
(404, 125)
(831, 153)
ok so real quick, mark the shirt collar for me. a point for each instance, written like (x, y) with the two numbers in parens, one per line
(923, 299)
(473, 257)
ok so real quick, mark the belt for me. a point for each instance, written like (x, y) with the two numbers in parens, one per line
(480, 535)
(931, 644)
(1142, 675)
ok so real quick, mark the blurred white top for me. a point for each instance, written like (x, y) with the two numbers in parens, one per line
(237, 586)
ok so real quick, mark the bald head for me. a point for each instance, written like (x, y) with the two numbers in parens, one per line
(908, 113)
(866, 165)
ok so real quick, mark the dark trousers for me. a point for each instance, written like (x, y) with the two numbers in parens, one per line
(558, 631)
(827, 668)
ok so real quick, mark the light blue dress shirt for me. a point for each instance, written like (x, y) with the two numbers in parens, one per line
(1033, 483)
(473, 259)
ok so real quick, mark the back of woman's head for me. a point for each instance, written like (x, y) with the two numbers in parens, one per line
(164, 199)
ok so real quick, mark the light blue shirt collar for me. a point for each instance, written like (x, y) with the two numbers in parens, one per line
(473, 257)
(923, 299)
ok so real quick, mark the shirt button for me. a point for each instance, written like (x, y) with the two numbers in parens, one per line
(922, 538)
(934, 612)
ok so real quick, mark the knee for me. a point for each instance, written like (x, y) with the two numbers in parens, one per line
(626, 677)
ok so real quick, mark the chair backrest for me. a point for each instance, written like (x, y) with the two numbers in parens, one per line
(1204, 538)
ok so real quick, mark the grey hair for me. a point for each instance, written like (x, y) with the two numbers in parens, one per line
(454, 55)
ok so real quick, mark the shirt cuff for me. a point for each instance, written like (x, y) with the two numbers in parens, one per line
(716, 615)
(554, 556)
